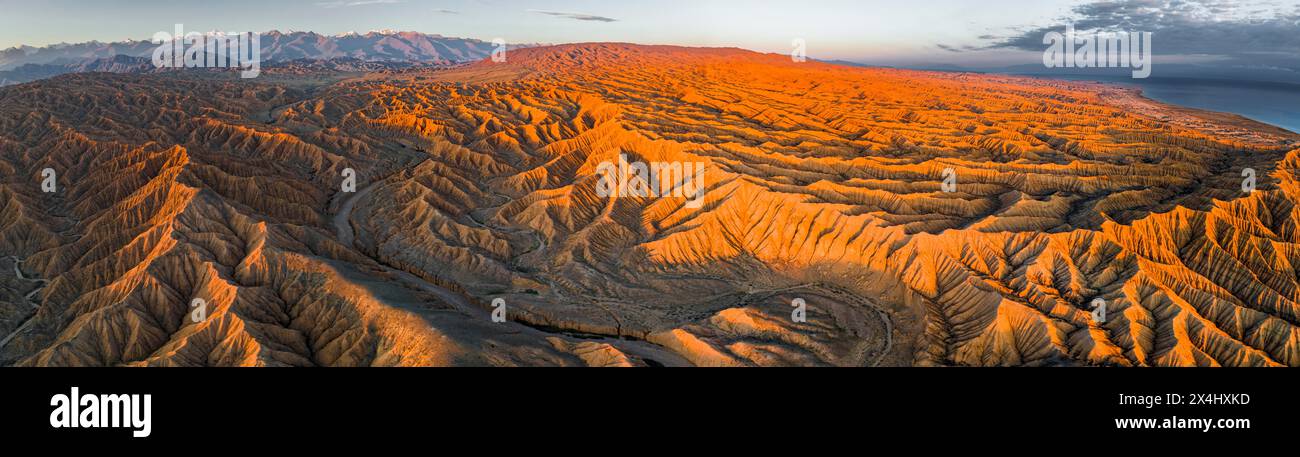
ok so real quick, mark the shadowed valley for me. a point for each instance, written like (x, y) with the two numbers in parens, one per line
(924, 218)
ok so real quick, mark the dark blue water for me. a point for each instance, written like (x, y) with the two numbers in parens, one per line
(1271, 103)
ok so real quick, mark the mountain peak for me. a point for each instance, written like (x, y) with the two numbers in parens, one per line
(374, 46)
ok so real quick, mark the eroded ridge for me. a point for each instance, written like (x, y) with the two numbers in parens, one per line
(924, 218)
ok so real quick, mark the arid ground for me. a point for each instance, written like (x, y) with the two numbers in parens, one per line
(923, 218)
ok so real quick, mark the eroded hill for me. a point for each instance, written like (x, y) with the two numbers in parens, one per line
(923, 218)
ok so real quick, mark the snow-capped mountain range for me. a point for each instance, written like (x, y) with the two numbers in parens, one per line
(25, 63)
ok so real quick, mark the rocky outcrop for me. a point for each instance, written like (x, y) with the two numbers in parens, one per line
(847, 217)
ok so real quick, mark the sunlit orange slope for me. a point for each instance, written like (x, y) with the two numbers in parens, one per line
(825, 185)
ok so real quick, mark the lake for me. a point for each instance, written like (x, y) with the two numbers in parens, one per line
(1268, 102)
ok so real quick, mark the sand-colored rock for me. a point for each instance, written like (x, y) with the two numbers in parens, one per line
(824, 184)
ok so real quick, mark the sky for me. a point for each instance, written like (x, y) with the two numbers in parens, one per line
(969, 33)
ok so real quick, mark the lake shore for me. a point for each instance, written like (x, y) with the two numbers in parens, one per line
(1248, 112)
(1217, 123)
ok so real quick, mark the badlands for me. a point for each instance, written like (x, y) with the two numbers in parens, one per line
(451, 216)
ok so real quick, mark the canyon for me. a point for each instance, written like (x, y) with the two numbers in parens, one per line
(924, 218)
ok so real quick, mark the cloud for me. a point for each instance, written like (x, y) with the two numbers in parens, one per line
(1247, 32)
(446, 11)
(342, 4)
(577, 16)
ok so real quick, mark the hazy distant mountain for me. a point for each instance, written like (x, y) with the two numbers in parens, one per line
(140, 65)
(114, 64)
(71, 54)
(27, 63)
